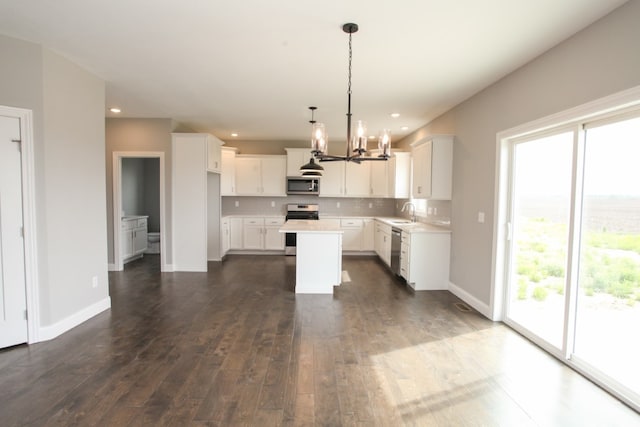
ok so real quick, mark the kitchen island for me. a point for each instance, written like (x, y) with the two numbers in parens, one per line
(318, 255)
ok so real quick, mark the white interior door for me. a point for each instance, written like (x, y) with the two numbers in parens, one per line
(13, 308)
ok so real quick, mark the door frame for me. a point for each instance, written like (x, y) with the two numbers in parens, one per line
(29, 219)
(117, 204)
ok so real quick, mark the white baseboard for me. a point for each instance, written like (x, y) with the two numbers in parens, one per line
(50, 332)
(474, 302)
(168, 268)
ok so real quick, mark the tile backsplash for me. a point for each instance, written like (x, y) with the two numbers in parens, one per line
(347, 206)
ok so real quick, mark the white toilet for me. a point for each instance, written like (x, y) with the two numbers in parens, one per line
(153, 243)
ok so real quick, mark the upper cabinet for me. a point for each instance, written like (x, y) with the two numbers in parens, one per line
(297, 157)
(260, 175)
(432, 167)
(345, 179)
(228, 171)
(391, 178)
(214, 160)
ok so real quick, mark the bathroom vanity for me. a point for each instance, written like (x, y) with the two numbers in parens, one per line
(133, 237)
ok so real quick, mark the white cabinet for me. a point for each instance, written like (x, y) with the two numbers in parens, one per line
(357, 179)
(297, 157)
(225, 235)
(252, 231)
(399, 175)
(379, 179)
(424, 260)
(368, 233)
(352, 234)
(260, 175)
(345, 179)
(273, 239)
(259, 233)
(214, 154)
(382, 242)
(332, 181)
(133, 237)
(235, 233)
(228, 171)
(432, 167)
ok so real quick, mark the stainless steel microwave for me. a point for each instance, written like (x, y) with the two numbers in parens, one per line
(303, 185)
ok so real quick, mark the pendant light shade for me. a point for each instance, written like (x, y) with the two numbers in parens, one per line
(311, 168)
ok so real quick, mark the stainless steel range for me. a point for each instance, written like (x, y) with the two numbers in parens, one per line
(309, 212)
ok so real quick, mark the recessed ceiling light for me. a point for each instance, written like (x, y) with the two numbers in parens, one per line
(395, 115)
(372, 137)
(234, 135)
(115, 110)
(404, 128)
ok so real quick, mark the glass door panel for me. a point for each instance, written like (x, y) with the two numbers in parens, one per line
(608, 298)
(541, 200)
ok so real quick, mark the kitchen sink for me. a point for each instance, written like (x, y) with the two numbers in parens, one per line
(400, 221)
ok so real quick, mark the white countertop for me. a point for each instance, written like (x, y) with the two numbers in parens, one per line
(310, 226)
(414, 227)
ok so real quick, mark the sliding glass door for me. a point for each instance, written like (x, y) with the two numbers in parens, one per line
(572, 253)
(541, 202)
(608, 298)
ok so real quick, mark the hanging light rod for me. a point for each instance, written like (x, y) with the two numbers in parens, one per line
(357, 143)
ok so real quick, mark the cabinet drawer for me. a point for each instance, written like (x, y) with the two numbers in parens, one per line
(273, 221)
(142, 222)
(253, 221)
(351, 223)
(128, 224)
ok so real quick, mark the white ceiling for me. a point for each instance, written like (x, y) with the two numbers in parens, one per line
(254, 66)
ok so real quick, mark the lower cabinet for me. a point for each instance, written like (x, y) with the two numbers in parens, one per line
(225, 235)
(255, 233)
(424, 260)
(382, 242)
(133, 238)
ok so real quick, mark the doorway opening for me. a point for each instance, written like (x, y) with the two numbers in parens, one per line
(139, 215)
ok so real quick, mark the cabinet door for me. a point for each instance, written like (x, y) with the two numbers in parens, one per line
(248, 176)
(225, 235)
(378, 240)
(358, 179)
(213, 154)
(126, 243)
(332, 181)
(422, 154)
(273, 174)
(228, 172)
(273, 239)
(139, 240)
(386, 248)
(351, 239)
(368, 234)
(297, 157)
(235, 233)
(380, 178)
(400, 175)
(252, 233)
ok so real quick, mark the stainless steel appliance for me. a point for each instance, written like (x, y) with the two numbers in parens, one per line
(308, 212)
(396, 246)
(303, 185)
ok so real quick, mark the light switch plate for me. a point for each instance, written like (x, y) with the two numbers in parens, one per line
(481, 217)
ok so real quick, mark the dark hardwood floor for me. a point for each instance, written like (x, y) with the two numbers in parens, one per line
(235, 346)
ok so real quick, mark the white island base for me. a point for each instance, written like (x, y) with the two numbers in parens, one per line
(318, 255)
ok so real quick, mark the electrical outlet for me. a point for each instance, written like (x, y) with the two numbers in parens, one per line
(435, 211)
(237, 203)
(480, 217)
(370, 205)
(94, 282)
(337, 204)
(273, 204)
(429, 210)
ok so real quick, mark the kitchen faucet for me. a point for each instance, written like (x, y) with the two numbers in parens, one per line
(412, 211)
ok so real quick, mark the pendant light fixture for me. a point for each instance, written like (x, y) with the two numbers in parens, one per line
(312, 168)
(357, 137)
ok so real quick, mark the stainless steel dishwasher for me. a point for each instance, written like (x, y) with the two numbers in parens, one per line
(396, 245)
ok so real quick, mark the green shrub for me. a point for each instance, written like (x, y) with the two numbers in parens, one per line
(540, 293)
(522, 289)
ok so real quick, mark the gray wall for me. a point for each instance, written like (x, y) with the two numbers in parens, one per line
(68, 109)
(139, 135)
(601, 60)
(327, 205)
